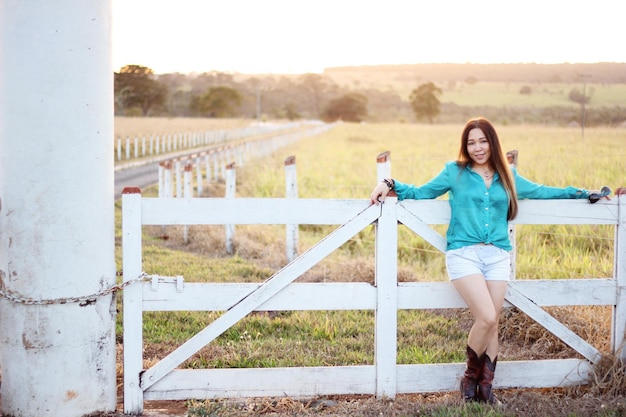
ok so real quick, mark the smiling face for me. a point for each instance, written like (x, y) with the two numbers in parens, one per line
(478, 148)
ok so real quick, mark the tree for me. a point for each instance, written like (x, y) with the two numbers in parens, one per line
(290, 112)
(351, 107)
(526, 90)
(424, 101)
(135, 86)
(316, 88)
(579, 97)
(219, 101)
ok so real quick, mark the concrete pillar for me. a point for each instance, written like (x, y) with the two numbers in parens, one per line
(56, 208)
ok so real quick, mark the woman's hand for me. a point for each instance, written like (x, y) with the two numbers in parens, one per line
(379, 193)
(594, 195)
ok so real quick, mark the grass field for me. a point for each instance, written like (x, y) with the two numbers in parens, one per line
(342, 164)
(492, 93)
(543, 95)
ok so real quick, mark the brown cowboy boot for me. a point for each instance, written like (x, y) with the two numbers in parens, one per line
(469, 382)
(485, 393)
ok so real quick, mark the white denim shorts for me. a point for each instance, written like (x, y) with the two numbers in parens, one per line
(490, 261)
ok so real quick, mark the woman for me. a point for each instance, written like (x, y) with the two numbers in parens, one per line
(483, 194)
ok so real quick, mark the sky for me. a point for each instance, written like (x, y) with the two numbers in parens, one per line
(302, 36)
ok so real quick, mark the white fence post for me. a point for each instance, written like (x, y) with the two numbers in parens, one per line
(291, 191)
(223, 161)
(132, 300)
(383, 166)
(231, 188)
(511, 157)
(187, 193)
(127, 148)
(160, 175)
(119, 149)
(167, 179)
(386, 277)
(178, 171)
(215, 158)
(198, 162)
(207, 167)
(619, 315)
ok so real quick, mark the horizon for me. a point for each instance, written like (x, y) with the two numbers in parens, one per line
(381, 65)
(286, 37)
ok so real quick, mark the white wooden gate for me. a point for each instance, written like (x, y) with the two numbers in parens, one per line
(165, 381)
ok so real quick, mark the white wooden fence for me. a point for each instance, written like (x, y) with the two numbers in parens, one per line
(385, 378)
(211, 165)
(156, 144)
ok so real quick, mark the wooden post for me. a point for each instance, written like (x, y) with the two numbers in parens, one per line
(178, 171)
(160, 177)
(231, 187)
(387, 300)
(207, 167)
(199, 175)
(241, 154)
(619, 314)
(187, 193)
(127, 148)
(132, 301)
(57, 225)
(165, 182)
(214, 157)
(383, 166)
(511, 157)
(167, 187)
(291, 191)
(223, 163)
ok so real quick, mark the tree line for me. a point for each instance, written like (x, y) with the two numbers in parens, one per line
(141, 92)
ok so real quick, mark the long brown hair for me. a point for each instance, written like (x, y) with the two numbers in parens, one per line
(497, 160)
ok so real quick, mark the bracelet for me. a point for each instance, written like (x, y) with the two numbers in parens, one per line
(390, 183)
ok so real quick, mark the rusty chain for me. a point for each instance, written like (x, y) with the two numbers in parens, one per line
(81, 300)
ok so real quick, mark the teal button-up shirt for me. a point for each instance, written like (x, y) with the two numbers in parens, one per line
(478, 213)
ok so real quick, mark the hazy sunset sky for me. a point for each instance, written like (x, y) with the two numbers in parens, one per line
(299, 36)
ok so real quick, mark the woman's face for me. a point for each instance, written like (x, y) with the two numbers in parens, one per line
(478, 147)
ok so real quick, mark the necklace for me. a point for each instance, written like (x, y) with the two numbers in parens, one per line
(485, 174)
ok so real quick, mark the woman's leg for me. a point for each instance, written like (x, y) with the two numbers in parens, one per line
(475, 292)
(497, 291)
(484, 300)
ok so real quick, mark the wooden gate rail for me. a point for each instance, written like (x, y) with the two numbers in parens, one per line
(164, 381)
